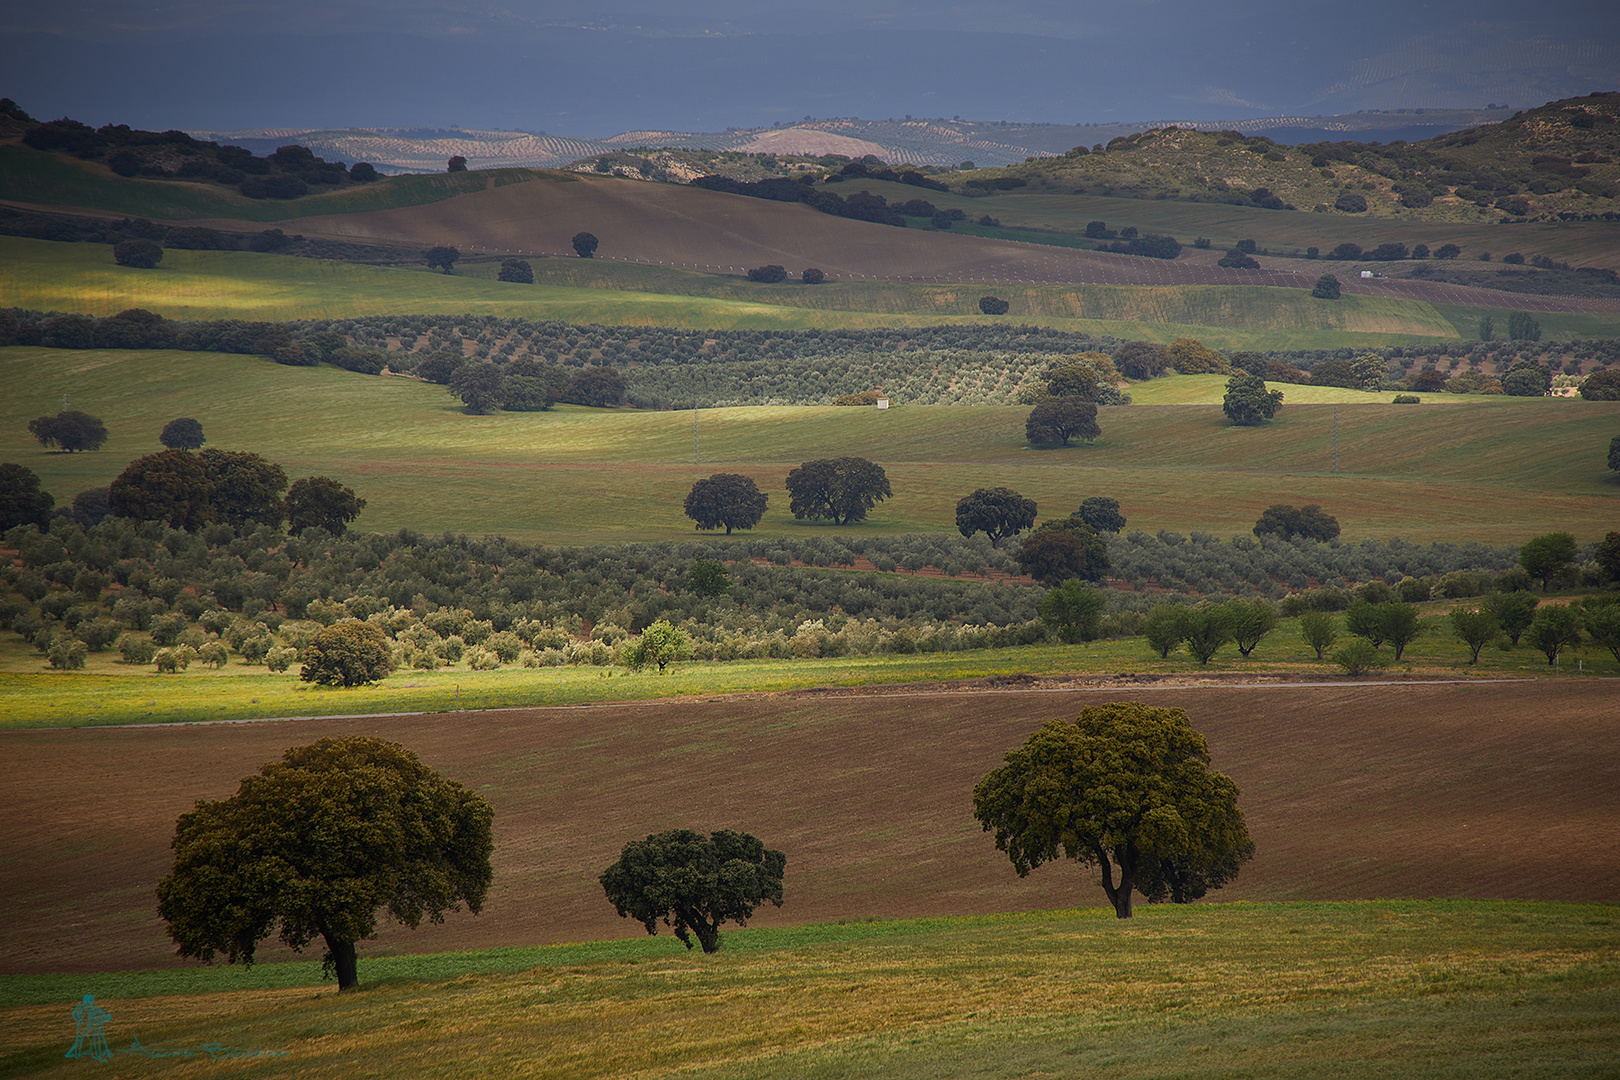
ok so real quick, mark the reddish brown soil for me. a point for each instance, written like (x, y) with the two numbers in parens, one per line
(1351, 791)
(673, 225)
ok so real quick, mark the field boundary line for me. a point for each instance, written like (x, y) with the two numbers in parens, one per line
(829, 692)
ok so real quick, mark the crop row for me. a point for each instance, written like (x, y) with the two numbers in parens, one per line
(120, 580)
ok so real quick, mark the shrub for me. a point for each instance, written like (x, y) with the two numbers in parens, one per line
(1407, 399)
(347, 653)
(1327, 288)
(67, 654)
(1359, 657)
(280, 658)
(994, 305)
(137, 254)
(136, 650)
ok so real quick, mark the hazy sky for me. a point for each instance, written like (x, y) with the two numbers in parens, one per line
(597, 68)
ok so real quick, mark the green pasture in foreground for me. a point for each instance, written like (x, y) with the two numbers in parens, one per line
(231, 284)
(1495, 470)
(1436, 989)
(109, 691)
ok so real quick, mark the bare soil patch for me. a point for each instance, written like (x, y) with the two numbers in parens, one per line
(678, 226)
(1351, 791)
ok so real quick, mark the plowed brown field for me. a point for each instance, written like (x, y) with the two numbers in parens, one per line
(1351, 791)
(684, 227)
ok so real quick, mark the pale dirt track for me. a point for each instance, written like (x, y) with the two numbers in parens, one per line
(675, 226)
(1352, 791)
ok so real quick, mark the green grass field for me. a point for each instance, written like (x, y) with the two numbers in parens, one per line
(1438, 989)
(214, 285)
(1493, 470)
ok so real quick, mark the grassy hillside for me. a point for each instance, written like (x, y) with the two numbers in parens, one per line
(1560, 158)
(219, 284)
(1494, 471)
(58, 180)
(1357, 990)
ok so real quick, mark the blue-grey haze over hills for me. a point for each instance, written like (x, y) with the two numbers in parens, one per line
(606, 66)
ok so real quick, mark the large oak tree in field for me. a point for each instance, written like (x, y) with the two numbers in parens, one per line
(316, 844)
(844, 489)
(726, 500)
(1125, 787)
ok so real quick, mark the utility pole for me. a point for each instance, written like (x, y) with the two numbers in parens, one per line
(1335, 439)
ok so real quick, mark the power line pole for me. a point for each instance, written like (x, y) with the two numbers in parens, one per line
(1335, 439)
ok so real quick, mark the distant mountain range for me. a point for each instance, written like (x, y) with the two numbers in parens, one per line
(907, 140)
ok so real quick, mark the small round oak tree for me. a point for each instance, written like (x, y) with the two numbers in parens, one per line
(1248, 403)
(1056, 420)
(693, 883)
(315, 844)
(997, 512)
(320, 502)
(585, 245)
(1126, 786)
(1101, 513)
(517, 271)
(1287, 522)
(347, 653)
(137, 254)
(182, 433)
(442, 256)
(726, 500)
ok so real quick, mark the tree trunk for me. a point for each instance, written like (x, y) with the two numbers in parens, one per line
(341, 954)
(1118, 895)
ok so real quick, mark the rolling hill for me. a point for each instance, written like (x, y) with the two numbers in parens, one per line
(921, 141)
(1555, 160)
